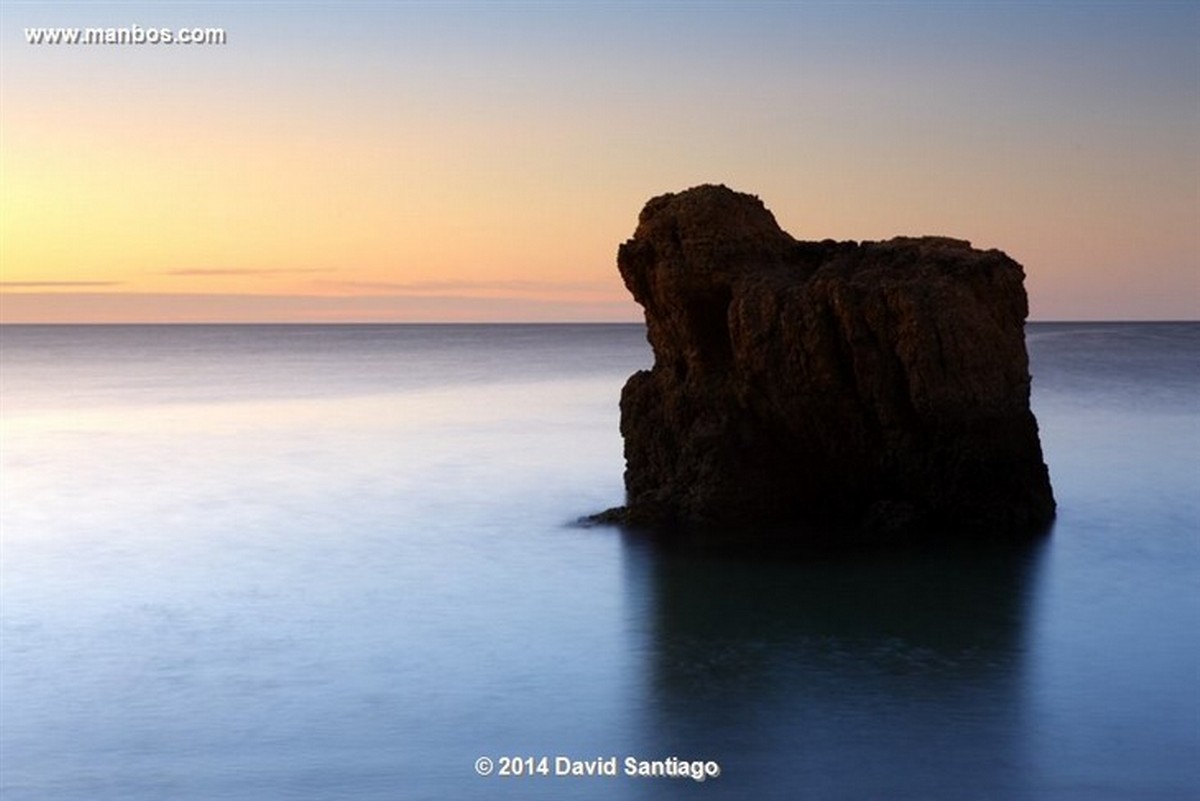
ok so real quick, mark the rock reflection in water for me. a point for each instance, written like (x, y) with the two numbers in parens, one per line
(897, 676)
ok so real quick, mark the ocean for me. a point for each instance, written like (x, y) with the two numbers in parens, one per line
(342, 562)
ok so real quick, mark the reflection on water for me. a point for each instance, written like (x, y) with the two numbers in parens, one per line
(896, 677)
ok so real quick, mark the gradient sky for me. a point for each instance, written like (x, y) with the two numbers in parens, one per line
(393, 161)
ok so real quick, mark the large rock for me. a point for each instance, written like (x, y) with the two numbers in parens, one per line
(825, 392)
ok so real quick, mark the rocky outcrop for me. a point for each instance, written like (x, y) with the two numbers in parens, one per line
(825, 392)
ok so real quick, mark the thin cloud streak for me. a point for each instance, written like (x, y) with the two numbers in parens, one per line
(237, 271)
(52, 284)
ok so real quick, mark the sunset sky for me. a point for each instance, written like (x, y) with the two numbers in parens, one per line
(396, 161)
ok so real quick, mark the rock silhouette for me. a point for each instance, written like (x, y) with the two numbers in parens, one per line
(838, 393)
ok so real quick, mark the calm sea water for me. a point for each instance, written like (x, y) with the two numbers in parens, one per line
(339, 562)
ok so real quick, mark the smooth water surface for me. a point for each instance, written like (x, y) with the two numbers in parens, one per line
(318, 562)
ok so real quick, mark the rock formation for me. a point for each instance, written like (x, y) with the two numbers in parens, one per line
(825, 392)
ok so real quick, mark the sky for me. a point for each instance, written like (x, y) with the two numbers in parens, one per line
(482, 161)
